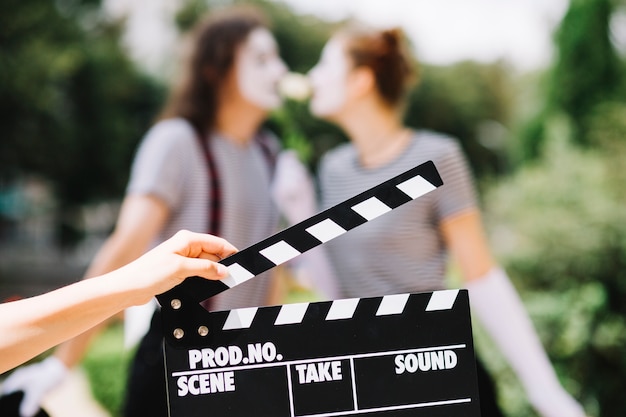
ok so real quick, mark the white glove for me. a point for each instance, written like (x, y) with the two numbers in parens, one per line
(293, 190)
(36, 381)
(554, 402)
(501, 311)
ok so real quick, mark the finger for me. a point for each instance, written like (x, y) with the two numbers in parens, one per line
(193, 244)
(15, 382)
(205, 268)
(225, 249)
(210, 257)
(29, 406)
(213, 244)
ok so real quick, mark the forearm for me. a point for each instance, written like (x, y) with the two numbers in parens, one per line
(39, 323)
(72, 350)
(33, 325)
(113, 254)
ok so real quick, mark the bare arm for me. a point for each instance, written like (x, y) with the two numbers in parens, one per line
(33, 325)
(140, 220)
(466, 240)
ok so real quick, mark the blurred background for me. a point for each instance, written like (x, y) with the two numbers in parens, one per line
(534, 90)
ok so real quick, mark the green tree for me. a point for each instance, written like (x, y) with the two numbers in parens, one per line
(73, 106)
(587, 69)
(472, 102)
(587, 72)
(559, 227)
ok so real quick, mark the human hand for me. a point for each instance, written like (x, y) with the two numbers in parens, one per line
(167, 265)
(35, 381)
(293, 190)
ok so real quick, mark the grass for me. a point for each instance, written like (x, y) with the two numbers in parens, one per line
(106, 366)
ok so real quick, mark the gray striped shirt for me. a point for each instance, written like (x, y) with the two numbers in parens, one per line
(403, 251)
(171, 165)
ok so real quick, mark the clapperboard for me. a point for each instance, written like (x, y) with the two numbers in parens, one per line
(394, 355)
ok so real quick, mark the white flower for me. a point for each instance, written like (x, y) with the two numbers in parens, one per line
(295, 86)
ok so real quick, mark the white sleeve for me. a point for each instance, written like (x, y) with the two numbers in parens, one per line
(499, 308)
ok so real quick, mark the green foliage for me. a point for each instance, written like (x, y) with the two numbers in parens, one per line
(559, 227)
(189, 13)
(299, 130)
(73, 105)
(107, 365)
(301, 38)
(607, 127)
(559, 223)
(587, 72)
(462, 100)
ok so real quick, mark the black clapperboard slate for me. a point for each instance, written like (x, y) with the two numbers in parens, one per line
(394, 355)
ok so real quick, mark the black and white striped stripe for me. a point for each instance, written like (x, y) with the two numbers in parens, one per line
(344, 309)
(311, 232)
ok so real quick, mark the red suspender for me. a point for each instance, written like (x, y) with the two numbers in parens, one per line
(215, 209)
(214, 226)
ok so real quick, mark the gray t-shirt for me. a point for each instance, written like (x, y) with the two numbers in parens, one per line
(171, 165)
(403, 251)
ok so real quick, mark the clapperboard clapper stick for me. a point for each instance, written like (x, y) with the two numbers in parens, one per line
(395, 355)
(181, 303)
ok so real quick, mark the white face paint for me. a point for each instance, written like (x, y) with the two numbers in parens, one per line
(259, 69)
(328, 79)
